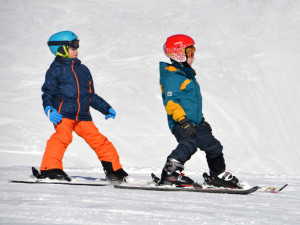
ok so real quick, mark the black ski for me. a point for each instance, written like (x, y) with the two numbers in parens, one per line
(156, 186)
(88, 181)
(57, 182)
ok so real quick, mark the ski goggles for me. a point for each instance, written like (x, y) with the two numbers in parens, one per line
(73, 44)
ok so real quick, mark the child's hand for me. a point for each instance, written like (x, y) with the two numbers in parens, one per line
(53, 115)
(188, 128)
(111, 114)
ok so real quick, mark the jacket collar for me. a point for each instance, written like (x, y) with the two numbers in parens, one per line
(187, 69)
(63, 61)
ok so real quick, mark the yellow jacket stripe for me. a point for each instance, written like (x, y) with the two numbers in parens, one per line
(175, 110)
(162, 91)
(171, 68)
(183, 85)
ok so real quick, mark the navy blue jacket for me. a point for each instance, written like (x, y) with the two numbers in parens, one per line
(69, 89)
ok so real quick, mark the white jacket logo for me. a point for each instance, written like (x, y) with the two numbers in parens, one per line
(169, 93)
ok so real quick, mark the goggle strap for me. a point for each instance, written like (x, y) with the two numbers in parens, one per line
(56, 43)
(66, 55)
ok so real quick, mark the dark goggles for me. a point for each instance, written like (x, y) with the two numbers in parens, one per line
(73, 44)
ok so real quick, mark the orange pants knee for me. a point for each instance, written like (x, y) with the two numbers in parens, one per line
(59, 141)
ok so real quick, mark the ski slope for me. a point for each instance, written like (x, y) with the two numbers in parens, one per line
(247, 64)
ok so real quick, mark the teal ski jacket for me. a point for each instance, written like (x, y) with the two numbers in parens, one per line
(180, 93)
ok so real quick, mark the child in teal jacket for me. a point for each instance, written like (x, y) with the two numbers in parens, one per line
(183, 102)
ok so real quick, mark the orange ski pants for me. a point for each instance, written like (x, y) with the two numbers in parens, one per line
(59, 141)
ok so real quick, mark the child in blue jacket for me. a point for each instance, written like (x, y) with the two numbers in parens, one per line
(183, 102)
(68, 93)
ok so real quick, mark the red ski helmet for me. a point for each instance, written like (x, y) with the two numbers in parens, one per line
(175, 47)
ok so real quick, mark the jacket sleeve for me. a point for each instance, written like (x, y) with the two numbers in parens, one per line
(172, 97)
(97, 102)
(49, 88)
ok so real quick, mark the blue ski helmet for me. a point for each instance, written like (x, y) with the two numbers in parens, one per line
(59, 42)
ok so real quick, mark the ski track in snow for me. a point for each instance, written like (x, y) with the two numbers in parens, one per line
(247, 64)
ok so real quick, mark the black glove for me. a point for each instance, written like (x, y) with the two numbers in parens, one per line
(206, 125)
(188, 128)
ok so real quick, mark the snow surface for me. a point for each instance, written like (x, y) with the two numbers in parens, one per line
(247, 64)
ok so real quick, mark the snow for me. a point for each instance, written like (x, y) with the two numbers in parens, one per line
(60, 204)
(247, 64)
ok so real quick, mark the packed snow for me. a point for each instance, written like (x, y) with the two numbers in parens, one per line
(247, 64)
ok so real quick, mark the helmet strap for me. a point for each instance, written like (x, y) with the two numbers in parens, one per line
(183, 64)
(63, 52)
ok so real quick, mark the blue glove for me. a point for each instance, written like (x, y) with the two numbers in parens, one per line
(53, 115)
(111, 114)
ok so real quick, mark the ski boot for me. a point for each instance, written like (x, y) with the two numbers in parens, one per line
(112, 176)
(54, 174)
(224, 179)
(117, 176)
(171, 174)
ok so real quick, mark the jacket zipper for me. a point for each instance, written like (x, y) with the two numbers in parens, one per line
(90, 90)
(78, 91)
(90, 86)
(59, 109)
(197, 87)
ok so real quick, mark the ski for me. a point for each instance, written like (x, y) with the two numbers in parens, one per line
(243, 185)
(156, 186)
(75, 180)
(48, 181)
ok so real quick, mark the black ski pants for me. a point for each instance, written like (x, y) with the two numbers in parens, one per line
(205, 141)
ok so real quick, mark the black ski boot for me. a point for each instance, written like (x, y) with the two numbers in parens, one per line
(117, 176)
(224, 179)
(171, 174)
(218, 177)
(54, 174)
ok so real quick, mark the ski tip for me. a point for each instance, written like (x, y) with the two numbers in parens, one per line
(154, 177)
(284, 186)
(35, 172)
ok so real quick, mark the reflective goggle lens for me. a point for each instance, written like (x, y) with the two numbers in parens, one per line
(74, 44)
